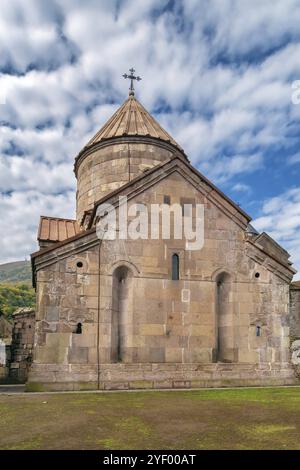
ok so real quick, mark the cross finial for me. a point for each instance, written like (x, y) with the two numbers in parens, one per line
(131, 77)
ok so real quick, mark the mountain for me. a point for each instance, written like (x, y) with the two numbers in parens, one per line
(16, 272)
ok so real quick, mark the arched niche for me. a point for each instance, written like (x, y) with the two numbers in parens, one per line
(225, 350)
(121, 319)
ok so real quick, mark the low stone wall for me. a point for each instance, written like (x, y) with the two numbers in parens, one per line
(157, 376)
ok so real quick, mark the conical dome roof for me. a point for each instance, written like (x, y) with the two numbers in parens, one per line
(131, 119)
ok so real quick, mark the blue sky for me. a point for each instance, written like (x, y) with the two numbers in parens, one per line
(217, 74)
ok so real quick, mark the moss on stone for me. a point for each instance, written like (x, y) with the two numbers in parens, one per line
(34, 387)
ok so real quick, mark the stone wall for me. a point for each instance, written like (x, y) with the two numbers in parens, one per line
(22, 344)
(162, 321)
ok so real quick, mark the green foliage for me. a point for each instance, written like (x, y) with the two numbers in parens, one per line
(15, 296)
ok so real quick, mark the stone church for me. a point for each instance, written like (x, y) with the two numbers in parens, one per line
(148, 313)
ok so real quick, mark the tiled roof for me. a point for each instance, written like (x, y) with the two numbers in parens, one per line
(56, 229)
(131, 119)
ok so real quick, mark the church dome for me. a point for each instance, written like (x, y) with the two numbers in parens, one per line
(132, 119)
(131, 142)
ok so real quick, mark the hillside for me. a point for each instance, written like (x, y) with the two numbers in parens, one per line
(15, 287)
(15, 296)
(16, 272)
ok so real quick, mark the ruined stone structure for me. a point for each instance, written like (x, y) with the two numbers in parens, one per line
(16, 345)
(149, 312)
(294, 316)
(5, 340)
(22, 344)
(294, 323)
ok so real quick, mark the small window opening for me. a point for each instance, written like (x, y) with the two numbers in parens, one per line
(79, 264)
(257, 275)
(78, 329)
(167, 200)
(175, 267)
(258, 330)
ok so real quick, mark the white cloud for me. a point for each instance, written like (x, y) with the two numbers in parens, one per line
(242, 188)
(280, 217)
(20, 213)
(62, 64)
(294, 159)
(228, 167)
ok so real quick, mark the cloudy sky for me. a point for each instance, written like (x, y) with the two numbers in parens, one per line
(217, 74)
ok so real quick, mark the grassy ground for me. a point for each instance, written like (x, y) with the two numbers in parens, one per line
(210, 419)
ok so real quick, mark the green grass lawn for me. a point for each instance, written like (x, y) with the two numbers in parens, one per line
(208, 419)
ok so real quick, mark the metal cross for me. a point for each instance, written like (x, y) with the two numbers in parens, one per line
(131, 77)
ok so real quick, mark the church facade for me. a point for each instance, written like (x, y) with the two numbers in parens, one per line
(147, 312)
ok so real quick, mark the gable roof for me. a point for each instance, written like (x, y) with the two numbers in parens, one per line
(141, 182)
(180, 163)
(55, 229)
(131, 119)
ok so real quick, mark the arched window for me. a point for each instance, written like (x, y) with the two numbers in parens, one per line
(175, 267)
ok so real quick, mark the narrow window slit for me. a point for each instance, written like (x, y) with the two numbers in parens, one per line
(258, 330)
(175, 267)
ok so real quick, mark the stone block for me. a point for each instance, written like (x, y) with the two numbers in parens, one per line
(78, 355)
(248, 356)
(92, 302)
(52, 313)
(138, 384)
(196, 355)
(157, 355)
(202, 330)
(152, 329)
(116, 385)
(84, 340)
(163, 384)
(51, 354)
(54, 340)
(174, 354)
(181, 384)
